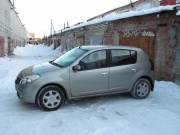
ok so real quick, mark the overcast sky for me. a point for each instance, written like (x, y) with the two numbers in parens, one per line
(37, 14)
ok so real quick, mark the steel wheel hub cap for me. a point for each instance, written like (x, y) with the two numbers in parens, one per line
(142, 89)
(51, 99)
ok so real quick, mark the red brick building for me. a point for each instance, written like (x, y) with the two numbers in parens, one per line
(169, 2)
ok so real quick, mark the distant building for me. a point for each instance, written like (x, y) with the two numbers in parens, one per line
(33, 40)
(31, 35)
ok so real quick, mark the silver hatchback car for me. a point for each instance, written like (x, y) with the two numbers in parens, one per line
(87, 71)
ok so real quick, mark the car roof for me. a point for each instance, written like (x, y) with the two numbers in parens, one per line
(97, 47)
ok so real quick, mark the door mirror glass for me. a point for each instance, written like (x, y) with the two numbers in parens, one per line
(77, 68)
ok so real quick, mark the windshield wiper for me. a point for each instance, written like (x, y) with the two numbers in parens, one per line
(56, 64)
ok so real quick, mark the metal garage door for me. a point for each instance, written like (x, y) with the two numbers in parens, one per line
(2, 46)
(96, 40)
(80, 41)
(142, 38)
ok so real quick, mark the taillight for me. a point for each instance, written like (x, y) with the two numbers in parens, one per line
(152, 64)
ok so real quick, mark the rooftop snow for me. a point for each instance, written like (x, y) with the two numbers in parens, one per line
(116, 16)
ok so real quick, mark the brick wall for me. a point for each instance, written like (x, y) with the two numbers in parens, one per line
(89, 33)
(174, 34)
(96, 30)
(168, 2)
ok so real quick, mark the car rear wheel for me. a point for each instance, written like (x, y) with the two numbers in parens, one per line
(141, 88)
(50, 98)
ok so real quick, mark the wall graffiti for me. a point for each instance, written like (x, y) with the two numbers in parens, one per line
(148, 33)
(136, 32)
(129, 32)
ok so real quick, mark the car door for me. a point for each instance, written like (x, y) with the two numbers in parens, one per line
(92, 78)
(123, 69)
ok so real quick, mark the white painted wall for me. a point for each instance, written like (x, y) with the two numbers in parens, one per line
(11, 25)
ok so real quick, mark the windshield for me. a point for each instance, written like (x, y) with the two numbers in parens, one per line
(69, 57)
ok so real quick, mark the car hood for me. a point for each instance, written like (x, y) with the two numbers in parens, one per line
(38, 69)
(44, 67)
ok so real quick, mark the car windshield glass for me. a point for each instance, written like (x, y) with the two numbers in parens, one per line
(69, 57)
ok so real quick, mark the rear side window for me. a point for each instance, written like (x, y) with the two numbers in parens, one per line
(123, 57)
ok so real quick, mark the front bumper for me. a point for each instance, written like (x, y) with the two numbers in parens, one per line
(26, 93)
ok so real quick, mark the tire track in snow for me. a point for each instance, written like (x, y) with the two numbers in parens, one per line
(62, 113)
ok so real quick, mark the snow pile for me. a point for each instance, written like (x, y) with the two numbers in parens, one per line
(158, 114)
(41, 50)
(178, 13)
(56, 52)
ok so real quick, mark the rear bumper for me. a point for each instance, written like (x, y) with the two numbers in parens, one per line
(152, 76)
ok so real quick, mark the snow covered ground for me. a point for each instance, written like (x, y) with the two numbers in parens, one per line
(158, 114)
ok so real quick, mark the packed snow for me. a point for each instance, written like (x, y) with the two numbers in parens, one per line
(158, 114)
(178, 13)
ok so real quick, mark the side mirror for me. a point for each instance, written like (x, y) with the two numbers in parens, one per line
(77, 68)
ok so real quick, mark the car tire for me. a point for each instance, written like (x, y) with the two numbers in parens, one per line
(50, 98)
(141, 88)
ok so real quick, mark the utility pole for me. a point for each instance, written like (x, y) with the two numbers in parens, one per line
(53, 35)
(51, 28)
(52, 31)
(13, 4)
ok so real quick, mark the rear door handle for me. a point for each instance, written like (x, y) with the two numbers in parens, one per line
(103, 74)
(134, 70)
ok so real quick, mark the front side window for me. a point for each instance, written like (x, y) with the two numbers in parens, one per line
(123, 57)
(94, 60)
(69, 57)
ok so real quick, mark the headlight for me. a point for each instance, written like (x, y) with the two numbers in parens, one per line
(29, 79)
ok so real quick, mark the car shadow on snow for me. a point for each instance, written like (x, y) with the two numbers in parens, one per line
(82, 103)
(109, 97)
(94, 102)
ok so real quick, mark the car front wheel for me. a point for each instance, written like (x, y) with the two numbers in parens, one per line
(141, 88)
(50, 98)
